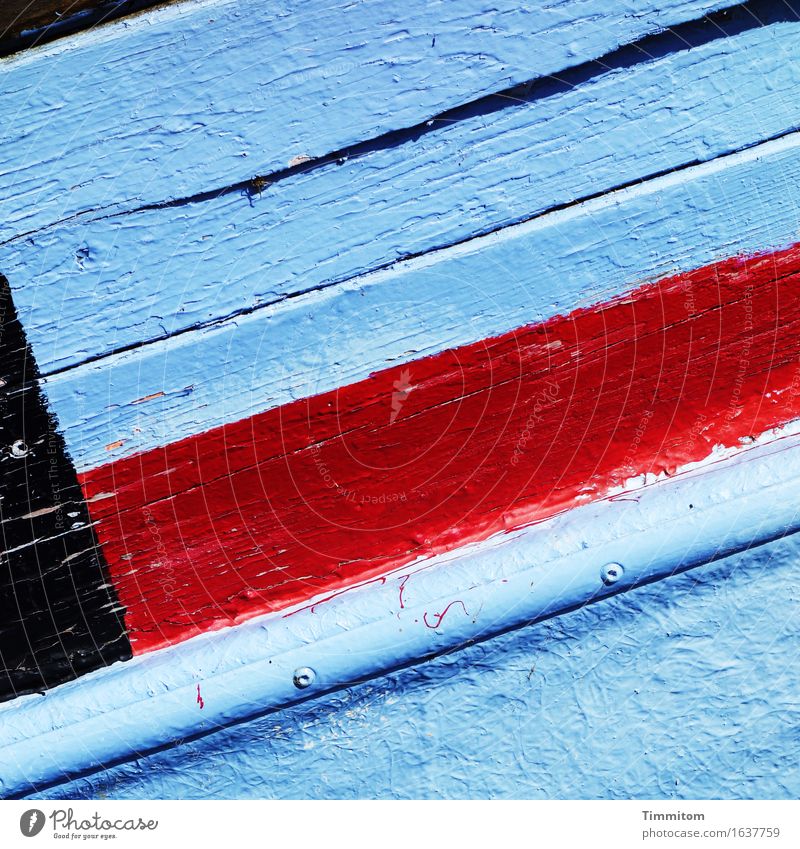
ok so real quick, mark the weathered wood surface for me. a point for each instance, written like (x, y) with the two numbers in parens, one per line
(161, 308)
(693, 669)
(59, 615)
(435, 453)
(202, 95)
(119, 281)
(190, 382)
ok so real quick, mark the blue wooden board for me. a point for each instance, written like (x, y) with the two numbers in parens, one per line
(464, 229)
(197, 96)
(118, 281)
(680, 690)
(521, 274)
(515, 579)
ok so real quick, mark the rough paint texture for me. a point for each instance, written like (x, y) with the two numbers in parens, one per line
(681, 690)
(512, 581)
(195, 123)
(59, 616)
(192, 382)
(435, 453)
(162, 271)
(206, 94)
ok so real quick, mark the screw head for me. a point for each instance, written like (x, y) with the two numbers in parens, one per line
(611, 573)
(304, 677)
(19, 449)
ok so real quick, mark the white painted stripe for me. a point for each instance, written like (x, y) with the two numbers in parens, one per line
(509, 581)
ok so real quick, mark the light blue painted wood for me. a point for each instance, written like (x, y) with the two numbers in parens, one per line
(525, 273)
(118, 281)
(685, 689)
(205, 94)
(508, 581)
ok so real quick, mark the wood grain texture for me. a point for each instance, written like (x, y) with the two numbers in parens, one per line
(430, 455)
(202, 95)
(59, 615)
(522, 274)
(158, 272)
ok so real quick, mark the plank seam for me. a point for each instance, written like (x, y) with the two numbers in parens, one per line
(639, 182)
(724, 23)
(17, 36)
(511, 581)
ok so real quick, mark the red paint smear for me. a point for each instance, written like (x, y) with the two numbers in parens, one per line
(200, 698)
(440, 616)
(402, 590)
(317, 602)
(335, 489)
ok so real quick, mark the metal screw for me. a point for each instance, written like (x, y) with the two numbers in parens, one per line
(19, 449)
(304, 677)
(611, 573)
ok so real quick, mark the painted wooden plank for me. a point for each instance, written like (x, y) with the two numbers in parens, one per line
(433, 454)
(122, 280)
(511, 581)
(159, 393)
(176, 100)
(700, 663)
(59, 615)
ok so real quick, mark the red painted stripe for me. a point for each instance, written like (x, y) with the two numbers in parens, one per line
(424, 457)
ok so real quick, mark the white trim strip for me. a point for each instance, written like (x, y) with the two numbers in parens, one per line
(450, 601)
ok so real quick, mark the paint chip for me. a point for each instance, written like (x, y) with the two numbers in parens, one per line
(148, 398)
(101, 495)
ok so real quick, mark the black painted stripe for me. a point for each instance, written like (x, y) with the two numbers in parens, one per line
(59, 614)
